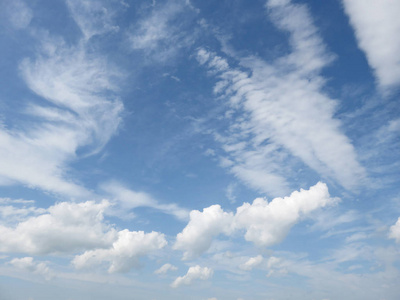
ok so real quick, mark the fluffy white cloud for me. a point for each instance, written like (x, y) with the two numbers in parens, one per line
(377, 26)
(165, 268)
(394, 232)
(265, 223)
(252, 262)
(194, 273)
(280, 118)
(197, 236)
(64, 228)
(124, 253)
(28, 264)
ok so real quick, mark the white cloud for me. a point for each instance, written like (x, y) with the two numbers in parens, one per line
(65, 228)
(194, 273)
(377, 26)
(394, 232)
(165, 268)
(125, 251)
(81, 113)
(265, 223)
(129, 199)
(252, 262)
(197, 236)
(93, 17)
(282, 118)
(27, 264)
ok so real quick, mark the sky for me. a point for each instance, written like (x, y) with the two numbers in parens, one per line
(198, 149)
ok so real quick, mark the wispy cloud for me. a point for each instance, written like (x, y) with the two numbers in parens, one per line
(158, 35)
(81, 113)
(95, 17)
(127, 199)
(377, 26)
(279, 113)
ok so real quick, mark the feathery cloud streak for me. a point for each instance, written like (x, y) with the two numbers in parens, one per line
(282, 111)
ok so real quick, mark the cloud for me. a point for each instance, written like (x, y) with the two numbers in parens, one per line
(128, 199)
(64, 228)
(197, 236)
(394, 232)
(158, 35)
(194, 273)
(80, 114)
(18, 13)
(94, 17)
(252, 262)
(265, 223)
(125, 251)
(28, 264)
(165, 268)
(279, 117)
(376, 26)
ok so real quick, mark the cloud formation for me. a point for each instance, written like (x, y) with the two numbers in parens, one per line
(28, 264)
(64, 228)
(124, 253)
(252, 262)
(265, 223)
(194, 273)
(128, 199)
(278, 112)
(165, 268)
(376, 26)
(394, 232)
(80, 114)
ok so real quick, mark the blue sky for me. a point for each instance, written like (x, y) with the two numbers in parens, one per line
(186, 149)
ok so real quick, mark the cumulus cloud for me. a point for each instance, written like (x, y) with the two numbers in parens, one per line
(279, 116)
(165, 268)
(64, 228)
(197, 236)
(267, 224)
(252, 262)
(376, 25)
(394, 232)
(80, 114)
(128, 199)
(124, 253)
(264, 223)
(194, 273)
(28, 264)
